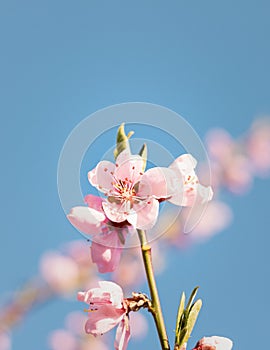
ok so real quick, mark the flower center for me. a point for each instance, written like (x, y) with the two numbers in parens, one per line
(125, 189)
(191, 180)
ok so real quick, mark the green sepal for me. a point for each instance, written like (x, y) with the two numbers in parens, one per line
(183, 336)
(179, 318)
(122, 140)
(143, 154)
(192, 318)
(186, 318)
(191, 298)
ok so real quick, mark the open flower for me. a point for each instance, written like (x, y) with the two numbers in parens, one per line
(134, 196)
(107, 309)
(108, 239)
(214, 343)
(189, 190)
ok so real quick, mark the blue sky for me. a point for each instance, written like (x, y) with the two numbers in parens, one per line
(63, 60)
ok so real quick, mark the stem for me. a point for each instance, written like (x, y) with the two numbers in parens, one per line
(157, 312)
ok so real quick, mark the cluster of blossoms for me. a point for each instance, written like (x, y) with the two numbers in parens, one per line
(234, 164)
(108, 308)
(132, 201)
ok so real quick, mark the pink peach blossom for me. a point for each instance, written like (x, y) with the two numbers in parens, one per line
(127, 199)
(134, 196)
(214, 343)
(190, 190)
(107, 310)
(108, 238)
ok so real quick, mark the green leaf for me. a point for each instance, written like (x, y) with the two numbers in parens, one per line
(186, 318)
(191, 298)
(183, 336)
(122, 140)
(143, 154)
(192, 318)
(179, 317)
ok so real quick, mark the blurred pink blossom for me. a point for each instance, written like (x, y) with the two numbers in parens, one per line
(73, 336)
(220, 144)
(138, 325)
(62, 339)
(229, 164)
(75, 321)
(258, 146)
(59, 271)
(5, 341)
(107, 309)
(79, 252)
(130, 271)
(238, 174)
(214, 343)
(216, 217)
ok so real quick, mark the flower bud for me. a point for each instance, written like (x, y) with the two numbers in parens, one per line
(214, 343)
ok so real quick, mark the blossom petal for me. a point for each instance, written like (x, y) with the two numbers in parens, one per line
(189, 190)
(106, 251)
(114, 211)
(122, 335)
(86, 219)
(106, 292)
(192, 194)
(103, 319)
(199, 194)
(214, 343)
(129, 167)
(185, 164)
(205, 194)
(115, 291)
(159, 182)
(144, 215)
(94, 202)
(102, 176)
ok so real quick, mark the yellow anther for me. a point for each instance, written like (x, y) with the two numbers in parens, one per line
(89, 310)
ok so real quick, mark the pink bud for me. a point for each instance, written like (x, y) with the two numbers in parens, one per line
(214, 343)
